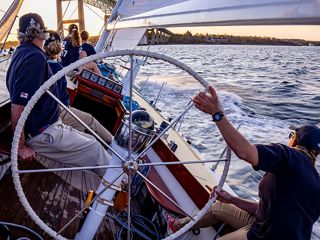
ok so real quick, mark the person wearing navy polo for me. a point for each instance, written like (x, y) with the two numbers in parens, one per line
(87, 50)
(70, 46)
(44, 133)
(85, 46)
(52, 48)
(289, 191)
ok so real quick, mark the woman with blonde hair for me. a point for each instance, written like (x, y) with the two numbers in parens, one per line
(71, 46)
(52, 48)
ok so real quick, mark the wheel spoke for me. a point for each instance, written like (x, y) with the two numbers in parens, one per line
(180, 163)
(85, 125)
(86, 206)
(165, 130)
(130, 108)
(68, 169)
(129, 208)
(165, 195)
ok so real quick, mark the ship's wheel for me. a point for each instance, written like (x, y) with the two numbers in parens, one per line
(127, 165)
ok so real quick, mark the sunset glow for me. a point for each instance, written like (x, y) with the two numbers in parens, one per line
(94, 22)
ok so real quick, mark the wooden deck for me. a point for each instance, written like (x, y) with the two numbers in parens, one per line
(56, 198)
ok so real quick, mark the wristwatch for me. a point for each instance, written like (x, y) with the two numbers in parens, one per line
(217, 116)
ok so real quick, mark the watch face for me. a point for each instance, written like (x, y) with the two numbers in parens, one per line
(217, 116)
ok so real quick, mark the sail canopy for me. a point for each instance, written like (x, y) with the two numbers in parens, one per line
(9, 18)
(153, 13)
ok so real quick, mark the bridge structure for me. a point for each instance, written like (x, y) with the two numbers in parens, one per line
(156, 36)
(152, 36)
(105, 5)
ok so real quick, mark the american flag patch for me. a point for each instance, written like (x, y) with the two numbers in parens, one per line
(24, 95)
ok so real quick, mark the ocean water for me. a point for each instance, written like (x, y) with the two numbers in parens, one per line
(263, 89)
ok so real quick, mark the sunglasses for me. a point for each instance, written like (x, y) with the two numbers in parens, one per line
(292, 135)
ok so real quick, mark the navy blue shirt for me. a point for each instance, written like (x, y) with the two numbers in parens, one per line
(28, 70)
(69, 52)
(88, 48)
(289, 195)
(62, 83)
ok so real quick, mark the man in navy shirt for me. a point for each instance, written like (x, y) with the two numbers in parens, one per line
(289, 191)
(44, 133)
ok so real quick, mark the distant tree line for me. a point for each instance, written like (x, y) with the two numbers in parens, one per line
(199, 38)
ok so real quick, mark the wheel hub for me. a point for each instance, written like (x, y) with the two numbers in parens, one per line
(130, 167)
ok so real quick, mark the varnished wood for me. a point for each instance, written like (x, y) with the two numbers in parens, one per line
(56, 198)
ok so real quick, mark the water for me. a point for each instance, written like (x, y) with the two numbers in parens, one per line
(264, 89)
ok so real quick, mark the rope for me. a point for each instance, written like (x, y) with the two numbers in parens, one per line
(53, 80)
(22, 227)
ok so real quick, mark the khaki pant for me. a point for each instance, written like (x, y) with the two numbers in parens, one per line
(88, 119)
(228, 213)
(64, 144)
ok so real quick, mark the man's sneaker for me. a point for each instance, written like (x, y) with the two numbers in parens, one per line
(170, 219)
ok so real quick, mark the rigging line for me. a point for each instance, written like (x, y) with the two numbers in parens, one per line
(99, 34)
(111, 34)
(86, 206)
(73, 12)
(63, 15)
(65, 11)
(87, 5)
(5, 41)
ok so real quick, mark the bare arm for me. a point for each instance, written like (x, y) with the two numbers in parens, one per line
(24, 152)
(239, 145)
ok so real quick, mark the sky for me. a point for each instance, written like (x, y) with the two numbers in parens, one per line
(94, 22)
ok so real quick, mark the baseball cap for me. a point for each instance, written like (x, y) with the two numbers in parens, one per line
(31, 24)
(308, 136)
(53, 37)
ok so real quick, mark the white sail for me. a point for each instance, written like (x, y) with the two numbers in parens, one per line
(129, 39)
(222, 13)
(126, 38)
(133, 7)
(9, 18)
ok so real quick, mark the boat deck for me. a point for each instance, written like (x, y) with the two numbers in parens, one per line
(56, 198)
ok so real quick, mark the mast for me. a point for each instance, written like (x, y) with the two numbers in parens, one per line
(60, 16)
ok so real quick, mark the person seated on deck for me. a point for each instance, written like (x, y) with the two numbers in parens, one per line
(289, 191)
(44, 133)
(52, 48)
